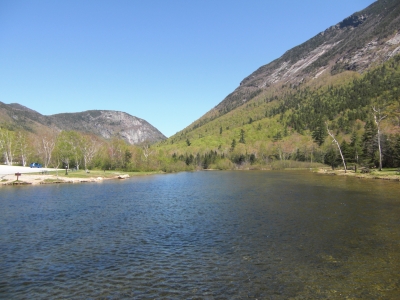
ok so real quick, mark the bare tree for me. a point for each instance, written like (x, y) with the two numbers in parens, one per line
(90, 146)
(7, 145)
(378, 117)
(22, 144)
(47, 146)
(76, 142)
(146, 151)
(337, 144)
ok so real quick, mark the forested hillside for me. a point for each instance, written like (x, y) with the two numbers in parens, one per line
(291, 123)
(340, 86)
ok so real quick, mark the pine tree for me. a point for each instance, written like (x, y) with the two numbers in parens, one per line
(346, 151)
(369, 143)
(319, 133)
(397, 151)
(233, 145)
(242, 140)
(355, 148)
(331, 158)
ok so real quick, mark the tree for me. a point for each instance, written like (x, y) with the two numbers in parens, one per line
(378, 117)
(355, 148)
(369, 141)
(90, 146)
(337, 144)
(127, 158)
(397, 151)
(75, 141)
(147, 152)
(7, 145)
(63, 149)
(22, 146)
(116, 152)
(346, 150)
(330, 158)
(233, 145)
(188, 142)
(319, 133)
(242, 140)
(47, 145)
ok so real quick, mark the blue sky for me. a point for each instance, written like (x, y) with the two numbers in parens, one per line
(168, 62)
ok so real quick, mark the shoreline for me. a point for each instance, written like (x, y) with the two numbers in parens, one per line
(73, 177)
(41, 179)
(372, 175)
(35, 179)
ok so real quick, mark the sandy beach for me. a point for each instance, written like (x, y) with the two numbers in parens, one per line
(33, 176)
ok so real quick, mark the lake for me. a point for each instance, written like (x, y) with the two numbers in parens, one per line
(203, 235)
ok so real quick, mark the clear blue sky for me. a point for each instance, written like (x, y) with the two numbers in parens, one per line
(168, 62)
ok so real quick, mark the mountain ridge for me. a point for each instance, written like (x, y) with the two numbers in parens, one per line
(104, 123)
(267, 105)
(370, 36)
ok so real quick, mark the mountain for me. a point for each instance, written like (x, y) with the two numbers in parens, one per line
(104, 123)
(343, 80)
(364, 39)
(360, 42)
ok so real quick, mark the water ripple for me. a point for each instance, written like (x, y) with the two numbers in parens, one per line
(222, 235)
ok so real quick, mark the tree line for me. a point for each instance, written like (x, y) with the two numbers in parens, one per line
(73, 149)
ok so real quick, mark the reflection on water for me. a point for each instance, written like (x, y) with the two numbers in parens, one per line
(203, 235)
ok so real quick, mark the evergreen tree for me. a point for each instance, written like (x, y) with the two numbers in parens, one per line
(345, 147)
(331, 158)
(355, 148)
(233, 145)
(242, 140)
(396, 151)
(277, 136)
(319, 133)
(369, 143)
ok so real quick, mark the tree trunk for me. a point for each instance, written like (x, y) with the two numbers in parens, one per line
(378, 118)
(337, 144)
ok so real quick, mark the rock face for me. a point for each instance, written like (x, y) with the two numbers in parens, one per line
(108, 124)
(365, 39)
(104, 123)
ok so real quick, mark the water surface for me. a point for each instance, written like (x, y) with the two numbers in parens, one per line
(203, 235)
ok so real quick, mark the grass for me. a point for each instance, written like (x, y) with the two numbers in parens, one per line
(389, 173)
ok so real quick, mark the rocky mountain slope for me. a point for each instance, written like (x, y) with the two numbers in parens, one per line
(363, 40)
(104, 123)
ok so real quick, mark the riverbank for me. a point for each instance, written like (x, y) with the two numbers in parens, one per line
(54, 177)
(385, 174)
(60, 177)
